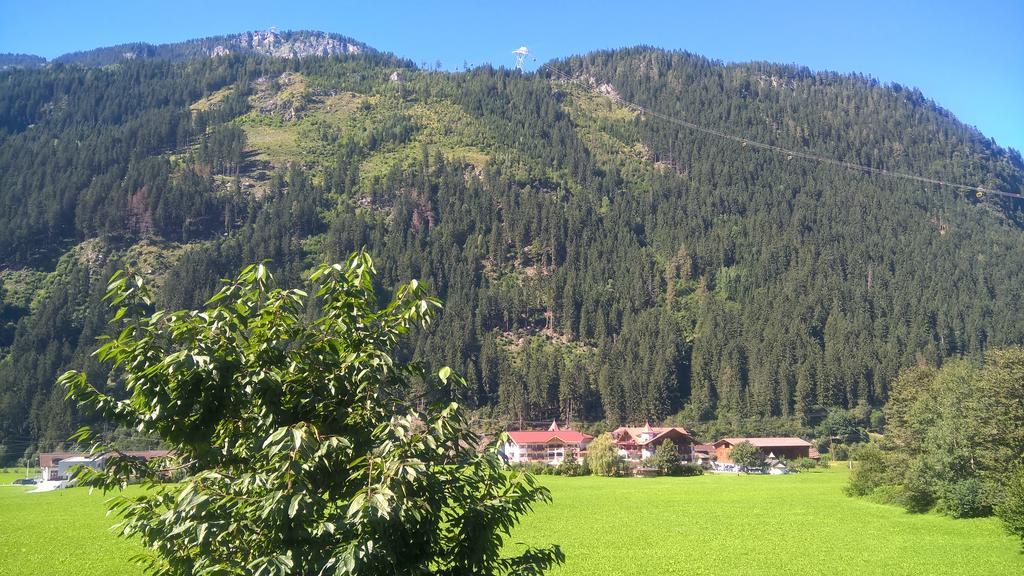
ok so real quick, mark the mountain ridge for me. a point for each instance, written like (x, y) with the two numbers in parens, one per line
(270, 43)
(9, 61)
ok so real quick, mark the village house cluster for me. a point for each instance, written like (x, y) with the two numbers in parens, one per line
(59, 466)
(551, 446)
(635, 444)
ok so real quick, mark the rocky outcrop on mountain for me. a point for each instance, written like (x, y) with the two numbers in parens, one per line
(297, 44)
(292, 44)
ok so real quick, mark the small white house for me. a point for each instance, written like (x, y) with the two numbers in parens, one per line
(66, 467)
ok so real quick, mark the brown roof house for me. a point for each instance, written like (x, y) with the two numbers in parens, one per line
(703, 453)
(637, 443)
(785, 448)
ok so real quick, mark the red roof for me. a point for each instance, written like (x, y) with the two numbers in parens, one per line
(780, 442)
(546, 436)
(49, 459)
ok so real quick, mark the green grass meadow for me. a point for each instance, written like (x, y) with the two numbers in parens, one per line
(800, 524)
(63, 532)
(8, 475)
(714, 524)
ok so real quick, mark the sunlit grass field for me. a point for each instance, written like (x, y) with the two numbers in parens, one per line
(8, 475)
(727, 524)
(64, 532)
(793, 525)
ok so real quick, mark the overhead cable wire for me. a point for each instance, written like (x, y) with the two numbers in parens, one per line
(978, 190)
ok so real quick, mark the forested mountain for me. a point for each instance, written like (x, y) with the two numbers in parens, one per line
(8, 61)
(289, 44)
(597, 263)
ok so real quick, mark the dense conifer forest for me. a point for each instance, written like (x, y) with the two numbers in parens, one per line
(597, 264)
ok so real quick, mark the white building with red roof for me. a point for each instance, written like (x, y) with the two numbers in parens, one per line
(550, 446)
(58, 465)
(640, 442)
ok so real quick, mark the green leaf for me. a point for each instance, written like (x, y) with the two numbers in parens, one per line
(275, 437)
(293, 506)
(356, 504)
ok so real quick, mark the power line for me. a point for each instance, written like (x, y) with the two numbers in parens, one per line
(978, 190)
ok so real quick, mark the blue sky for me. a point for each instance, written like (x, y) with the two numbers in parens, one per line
(968, 56)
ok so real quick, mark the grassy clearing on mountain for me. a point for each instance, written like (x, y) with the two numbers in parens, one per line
(607, 128)
(284, 113)
(291, 125)
(155, 257)
(211, 101)
(21, 286)
(276, 144)
(442, 126)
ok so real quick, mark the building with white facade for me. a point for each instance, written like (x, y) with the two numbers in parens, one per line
(550, 446)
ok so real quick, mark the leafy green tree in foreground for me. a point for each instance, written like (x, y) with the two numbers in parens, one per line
(746, 456)
(603, 456)
(303, 455)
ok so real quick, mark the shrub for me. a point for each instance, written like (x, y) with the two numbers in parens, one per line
(963, 499)
(585, 467)
(870, 472)
(569, 467)
(917, 489)
(889, 494)
(803, 464)
(1011, 508)
(535, 468)
(877, 420)
(822, 445)
(689, 470)
(840, 452)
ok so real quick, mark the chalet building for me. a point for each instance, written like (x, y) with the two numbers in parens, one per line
(786, 448)
(550, 446)
(60, 465)
(703, 453)
(48, 462)
(641, 442)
